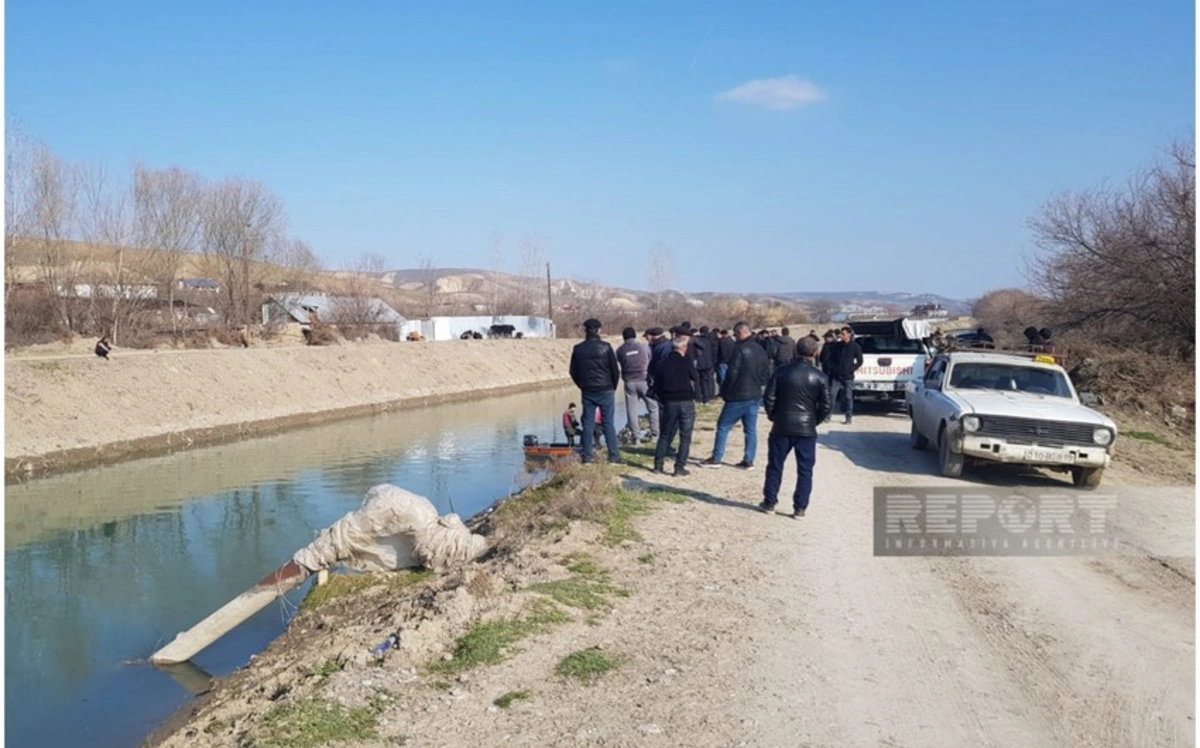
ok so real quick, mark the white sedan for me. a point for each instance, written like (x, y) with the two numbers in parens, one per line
(1007, 408)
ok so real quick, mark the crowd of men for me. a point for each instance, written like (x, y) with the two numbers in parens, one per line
(793, 381)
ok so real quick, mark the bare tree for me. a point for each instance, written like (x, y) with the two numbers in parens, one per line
(106, 226)
(242, 220)
(1121, 262)
(530, 286)
(1006, 312)
(358, 311)
(429, 284)
(168, 206)
(497, 267)
(661, 267)
(18, 155)
(822, 310)
(52, 203)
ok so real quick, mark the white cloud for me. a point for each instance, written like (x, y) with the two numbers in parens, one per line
(775, 94)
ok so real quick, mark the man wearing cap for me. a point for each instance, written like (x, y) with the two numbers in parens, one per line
(634, 358)
(595, 371)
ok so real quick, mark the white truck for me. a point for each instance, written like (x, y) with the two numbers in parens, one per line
(895, 353)
(1008, 408)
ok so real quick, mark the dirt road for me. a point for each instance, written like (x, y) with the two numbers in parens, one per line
(758, 630)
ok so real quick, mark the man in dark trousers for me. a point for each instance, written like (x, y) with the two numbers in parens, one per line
(595, 372)
(725, 345)
(844, 361)
(742, 393)
(796, 400)
(634, 358)
(706, 364)
(826, 356)
(675, 382)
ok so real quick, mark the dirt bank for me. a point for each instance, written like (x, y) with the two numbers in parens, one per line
(707, 623)
(65, 411)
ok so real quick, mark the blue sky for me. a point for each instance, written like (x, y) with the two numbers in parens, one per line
(773, 146)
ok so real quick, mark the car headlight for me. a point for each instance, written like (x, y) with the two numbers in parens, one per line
(971, 424)
(1102, 436)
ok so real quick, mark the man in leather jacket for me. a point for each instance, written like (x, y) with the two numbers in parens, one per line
(796, 400)
(595, 371)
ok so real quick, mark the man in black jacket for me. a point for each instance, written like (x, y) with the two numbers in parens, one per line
(725, 345)
(705, 364)
(785, 348)
(742, 392)
(826, 356)
(796, 400)
(845, 359)
(595, 371)
(676, 381)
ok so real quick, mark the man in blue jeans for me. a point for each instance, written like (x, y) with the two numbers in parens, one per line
(742, 391)
(796, 400)
(594, 370)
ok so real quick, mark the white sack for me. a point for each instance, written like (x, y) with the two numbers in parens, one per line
(393, 529)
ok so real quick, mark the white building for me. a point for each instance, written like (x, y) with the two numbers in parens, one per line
(453, 328)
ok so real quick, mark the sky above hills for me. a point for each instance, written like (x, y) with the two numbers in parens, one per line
(772, 146)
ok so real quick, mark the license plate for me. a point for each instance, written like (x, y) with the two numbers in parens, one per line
(1049, 455)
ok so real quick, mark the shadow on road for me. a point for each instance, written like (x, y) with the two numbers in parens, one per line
(637, 484)
(889, 452)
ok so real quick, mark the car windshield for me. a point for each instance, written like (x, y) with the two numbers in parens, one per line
(889, 344)
(1009, 378)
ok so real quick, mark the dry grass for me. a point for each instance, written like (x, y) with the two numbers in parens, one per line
(573, 492)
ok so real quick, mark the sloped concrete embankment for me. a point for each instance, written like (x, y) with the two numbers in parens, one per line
(72, 412)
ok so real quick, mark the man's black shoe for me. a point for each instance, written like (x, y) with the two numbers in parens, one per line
(798, 514)
(682, 472)
(766, 508)
(744, 465)
(659, 469)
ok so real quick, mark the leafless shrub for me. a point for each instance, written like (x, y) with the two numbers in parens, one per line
(1006, 313)
(1119, 264)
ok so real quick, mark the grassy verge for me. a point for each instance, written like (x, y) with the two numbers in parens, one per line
(313, 723)
(491, 642)
(586, 665)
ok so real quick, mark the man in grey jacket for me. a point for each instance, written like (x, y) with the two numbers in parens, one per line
(634, 358)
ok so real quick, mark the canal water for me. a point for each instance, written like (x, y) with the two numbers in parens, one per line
(105, 565)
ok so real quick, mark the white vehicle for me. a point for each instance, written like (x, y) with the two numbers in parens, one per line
(1008, 408)
(894, 355)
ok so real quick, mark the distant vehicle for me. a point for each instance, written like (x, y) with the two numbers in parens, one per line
(1007, 407)
(894, 354)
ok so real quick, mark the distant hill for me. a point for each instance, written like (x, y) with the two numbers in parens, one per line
(875, 298)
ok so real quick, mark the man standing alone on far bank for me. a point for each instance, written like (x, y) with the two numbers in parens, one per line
(796, 400)
(595, 372)
(634, 358)
(742, 392)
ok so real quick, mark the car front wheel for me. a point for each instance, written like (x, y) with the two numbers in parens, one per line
(950, 463)
(1086, 477)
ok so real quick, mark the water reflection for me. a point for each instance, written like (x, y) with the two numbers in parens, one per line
(104, 565)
